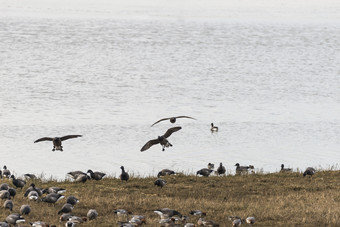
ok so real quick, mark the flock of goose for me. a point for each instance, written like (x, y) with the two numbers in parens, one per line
(168, 217)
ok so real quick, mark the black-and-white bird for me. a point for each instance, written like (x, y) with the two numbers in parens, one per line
(160, 182)
(309, 171)
(6, 172)
(124, 176)
(213, 128)
(221, 169)
(25, 209)
(92, 214)
(161, 139)
(172, 119)
(57, 141)
(66, 208)
(283, 169)
(165, 172)
(204, 172)
(18, 182)
(96, 175)
(72, 200)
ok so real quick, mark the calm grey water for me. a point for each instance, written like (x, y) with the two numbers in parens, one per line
(272, 87)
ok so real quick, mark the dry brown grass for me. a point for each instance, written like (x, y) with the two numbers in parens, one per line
(274, 199)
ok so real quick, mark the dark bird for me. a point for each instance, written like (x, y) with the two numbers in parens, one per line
(211, 165)
(18, 182)
(283, 169)
(33, 195)
(6, 172)
(172, 119)
(8, 204)
(242, 169)
(4, 194)
(124, 175)
(25, 209)
(161, 139)
(75, 174)
(4, 186)
(96, 175)
(67, 208)
(12, 192)
(52, 198)
(30, 176)
(165, 172)
(198, 213)
(57, 141)
(204, 172)
(82, 178)
(309, 171)
(170, 212)
(33, 188)
(72, 200)
(14, 219)
(221, 169)
(160, 183)
(57, 190)
(92, 214)
(213, 128)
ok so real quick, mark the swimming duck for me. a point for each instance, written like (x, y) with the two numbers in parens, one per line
(165, 172)
(213, 128)
(57, 141)
(172, 119)
(204, 172)
(18, 182)
(309, 171)
(25, 209)
(283, 169)
(92, 214)
(161, 139)
(221, 169)
(124, 175)
(96, 175)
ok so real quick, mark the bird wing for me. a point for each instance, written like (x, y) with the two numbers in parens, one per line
(160, 120)
(185, 117)
(170, 131)
(149, 144)
(43, 139)
(69, 137)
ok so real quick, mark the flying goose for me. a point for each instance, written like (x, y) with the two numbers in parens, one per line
(165, 172)
(204, 172)
(57, 141)
(309, 171)
(96, 175)
(124, 175)
(161, 139)
(283, 169)
(172, 119)
(213, 128)
(221, 169)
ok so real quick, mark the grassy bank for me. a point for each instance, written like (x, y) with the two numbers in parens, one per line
(274, 199)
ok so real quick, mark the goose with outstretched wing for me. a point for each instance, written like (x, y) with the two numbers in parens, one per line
(57, 141)
(161, 139)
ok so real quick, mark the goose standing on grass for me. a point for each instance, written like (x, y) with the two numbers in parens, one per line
(57, 190)
(124, 176)
(165, 172)
(221, 169)
(57, 141)
(204, 172)
(172, 119)
(211, 165)
(4, 194)
(72, 200)
(33, 195)
(75, 174)
(14, 219)
(160, 182)
(33, 188)
(66, 208)
(8, 204)
(170, 212)
(25, 209)
(213, 128)
(18, 182)
(198, 213)
(30, 176)
(161, 139)
(82, 178)
(250, 220)
(52, 198)
(283, 169)
(96, 175)
(92, 214)
(309, 171)
(6, 172)
(241, 169)
(4, 186)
